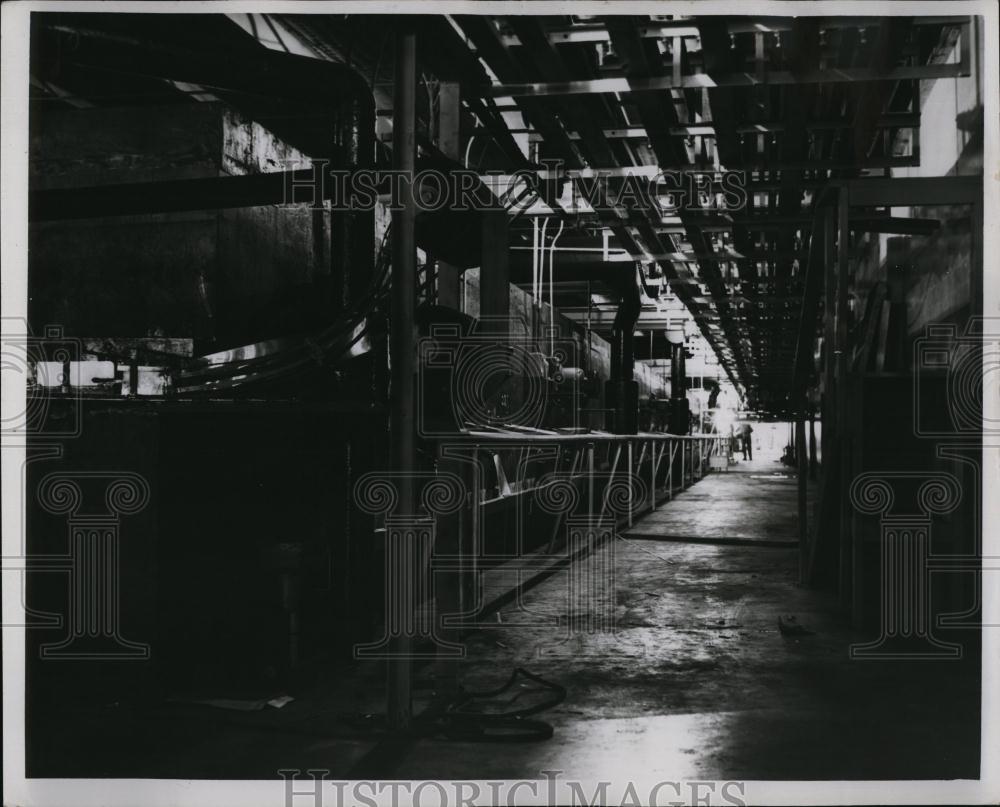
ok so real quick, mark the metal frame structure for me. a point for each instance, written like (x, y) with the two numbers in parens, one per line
(830, 262)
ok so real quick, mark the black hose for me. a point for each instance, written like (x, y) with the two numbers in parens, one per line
(456, 723)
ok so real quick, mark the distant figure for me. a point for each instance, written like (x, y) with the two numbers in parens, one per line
(745, 433)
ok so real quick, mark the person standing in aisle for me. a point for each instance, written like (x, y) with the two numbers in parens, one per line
(745, 433)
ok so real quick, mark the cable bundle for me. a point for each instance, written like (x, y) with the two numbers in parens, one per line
(332, 344)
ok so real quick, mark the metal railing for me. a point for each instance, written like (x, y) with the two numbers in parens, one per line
(570, 494)
(518, 464)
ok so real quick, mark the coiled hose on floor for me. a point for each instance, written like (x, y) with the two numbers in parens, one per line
(460, 721)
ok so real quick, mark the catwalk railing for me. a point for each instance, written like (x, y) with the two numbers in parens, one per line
(453, 559)
(510, 465)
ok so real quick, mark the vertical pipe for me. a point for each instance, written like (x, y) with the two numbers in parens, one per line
(401, 418)
(552, 294)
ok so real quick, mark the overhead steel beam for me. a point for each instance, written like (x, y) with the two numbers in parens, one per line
(696, 81)
(899, 120)
(657, 112)
(604, 319)
(596, 32)
(893, 120)
(617, 255)
(914, 191)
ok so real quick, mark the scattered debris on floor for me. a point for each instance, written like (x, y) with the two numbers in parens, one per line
(237, 704)
(789, 626)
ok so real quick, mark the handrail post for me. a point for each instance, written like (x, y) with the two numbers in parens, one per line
(628, 480)
(590, 478)
(670, 469)
(652, 476)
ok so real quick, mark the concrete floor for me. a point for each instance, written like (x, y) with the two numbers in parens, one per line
(698, 681)
(753, 502)
(695, 682)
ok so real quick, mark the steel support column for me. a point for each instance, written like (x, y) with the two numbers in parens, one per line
(841, 401)
(449, 141)
(803, 470)
(813, 462)
(401, 350)
(494, 274)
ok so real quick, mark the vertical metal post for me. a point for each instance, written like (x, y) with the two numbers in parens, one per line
(803, 467)
(653, 465)
(684, 461)
(628, 480)
(843, 427)
(449, 141)
(401, 351)
(670, 470)
(611, 478)
(813, 463)
(590, 478)
(494, 274)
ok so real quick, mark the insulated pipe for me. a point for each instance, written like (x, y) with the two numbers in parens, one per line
(534, 261)
(541, 263)
(402, 426)
(552, 295)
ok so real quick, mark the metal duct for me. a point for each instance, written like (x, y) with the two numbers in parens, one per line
(322, 108)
